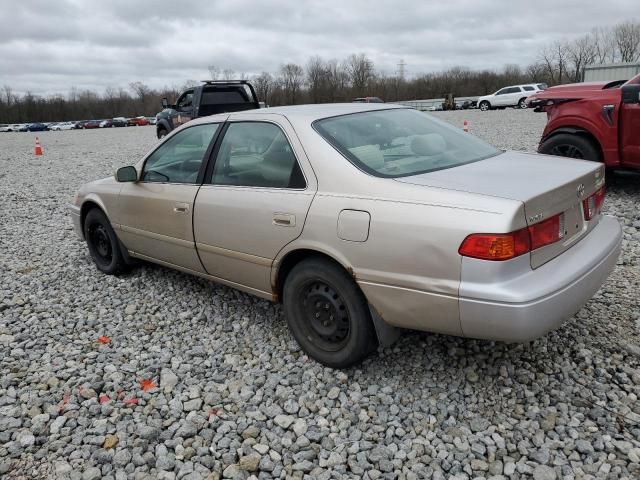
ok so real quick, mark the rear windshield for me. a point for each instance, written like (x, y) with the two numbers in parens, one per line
(401, 142)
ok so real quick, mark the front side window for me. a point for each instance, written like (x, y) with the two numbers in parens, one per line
(502, 92)
(186, 100)
(178, 160)
(257, 154)
(401, 142)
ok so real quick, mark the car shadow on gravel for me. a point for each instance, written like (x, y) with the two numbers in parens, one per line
(624, 182)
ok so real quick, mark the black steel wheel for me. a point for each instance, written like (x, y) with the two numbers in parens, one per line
(327, 313)
(571, 146)
(103, 243)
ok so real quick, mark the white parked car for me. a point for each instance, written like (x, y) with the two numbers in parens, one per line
(62, 126)
(514, 96)
(4, 128)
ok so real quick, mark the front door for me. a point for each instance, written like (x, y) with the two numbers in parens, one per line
(255, 202)
(184, 107)
(155, 214)
(630, 133)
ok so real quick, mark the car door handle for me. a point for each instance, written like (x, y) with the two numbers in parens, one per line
(181, 207)
(284, 219)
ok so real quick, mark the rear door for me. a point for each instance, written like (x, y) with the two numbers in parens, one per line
(155, 213)
(255, 201)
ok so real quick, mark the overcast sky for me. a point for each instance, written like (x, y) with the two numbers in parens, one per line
(47, 46)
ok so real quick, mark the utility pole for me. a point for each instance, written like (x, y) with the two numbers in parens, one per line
(401, 68)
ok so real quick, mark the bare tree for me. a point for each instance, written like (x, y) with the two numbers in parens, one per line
(292, 78)
(554, 59)
(263, 84)
(580, 53)
(7, 93)
(337, 80)
(605, 45)
(214, 72)
(627, 38)
(316, 77)
(228, 74)
(360, 70)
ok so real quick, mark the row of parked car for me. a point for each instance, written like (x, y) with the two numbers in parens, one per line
(79, 125)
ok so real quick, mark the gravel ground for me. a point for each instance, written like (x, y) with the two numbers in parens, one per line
(158, 374)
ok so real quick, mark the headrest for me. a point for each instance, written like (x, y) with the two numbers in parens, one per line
(429, 144)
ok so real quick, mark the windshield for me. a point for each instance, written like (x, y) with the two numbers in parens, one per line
(401, 142)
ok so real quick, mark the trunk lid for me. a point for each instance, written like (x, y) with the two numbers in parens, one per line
(546, 185)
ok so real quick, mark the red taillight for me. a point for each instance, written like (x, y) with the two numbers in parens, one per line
(547, 232)
(505, 246)
(592, 205)
(502, 246)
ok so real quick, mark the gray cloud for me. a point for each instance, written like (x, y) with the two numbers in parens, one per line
(49, 46)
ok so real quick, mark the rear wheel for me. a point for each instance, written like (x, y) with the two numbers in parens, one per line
(327, 313)
(522, 103)
(484, 106)
(103, 243)
(572, 146)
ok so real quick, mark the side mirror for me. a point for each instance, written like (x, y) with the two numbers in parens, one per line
(127, 174)
(165, 102)
(631, 93)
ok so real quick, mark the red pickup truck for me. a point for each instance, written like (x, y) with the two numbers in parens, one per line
(595, 121)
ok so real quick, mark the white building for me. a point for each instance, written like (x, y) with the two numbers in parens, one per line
(611, 72)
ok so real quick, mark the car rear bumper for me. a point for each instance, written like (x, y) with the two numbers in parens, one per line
(499, 302)
(74, 212)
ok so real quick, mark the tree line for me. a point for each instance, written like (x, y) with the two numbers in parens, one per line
(322, 81)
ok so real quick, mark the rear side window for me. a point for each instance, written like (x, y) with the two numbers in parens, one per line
(257, 154)
(223, 96)
(528, 88)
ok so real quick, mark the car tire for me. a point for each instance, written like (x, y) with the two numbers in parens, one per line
(327, 313)
(103, 243)
(571, 146)
(522, 103)
(162, 132)
(484, 106)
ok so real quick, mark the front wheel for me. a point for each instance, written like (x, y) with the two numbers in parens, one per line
(485, 106)
(162, 132)
(103, 243)
(570, 145)
(327, 313)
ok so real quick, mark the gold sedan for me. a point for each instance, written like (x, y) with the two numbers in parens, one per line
(361, 218)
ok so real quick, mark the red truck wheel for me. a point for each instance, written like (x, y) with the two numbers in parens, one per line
(572, 146)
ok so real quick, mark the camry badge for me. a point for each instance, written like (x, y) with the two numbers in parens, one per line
(580, 191)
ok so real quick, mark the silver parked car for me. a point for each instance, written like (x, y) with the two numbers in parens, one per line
(359, 218)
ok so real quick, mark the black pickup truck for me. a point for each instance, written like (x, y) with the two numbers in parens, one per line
(213, 96)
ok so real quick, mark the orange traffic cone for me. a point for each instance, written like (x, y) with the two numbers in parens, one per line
(465, 126)
(38, 152)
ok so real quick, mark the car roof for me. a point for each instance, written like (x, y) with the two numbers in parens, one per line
(307, 113)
